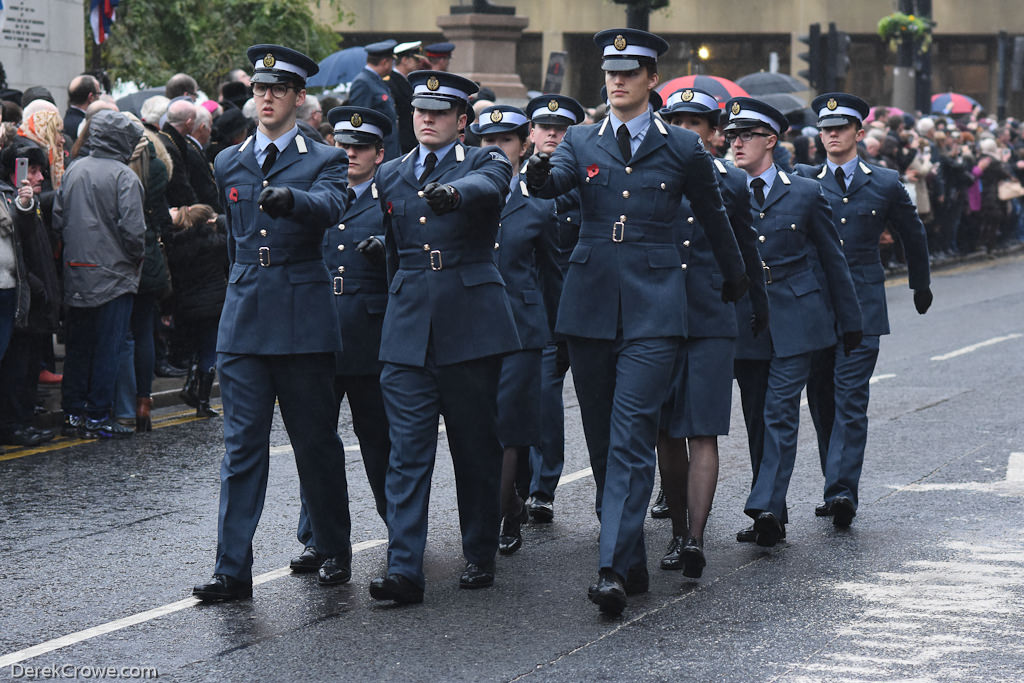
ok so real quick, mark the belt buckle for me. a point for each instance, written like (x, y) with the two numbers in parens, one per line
(618, 231)
(435, 260)
(339, 285)
(767, 273)
(264, 256)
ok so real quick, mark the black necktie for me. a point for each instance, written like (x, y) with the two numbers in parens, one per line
(841, 178)
(622, 137)
(269, 160)
(351, 196)
(757, 185)
(428, 166)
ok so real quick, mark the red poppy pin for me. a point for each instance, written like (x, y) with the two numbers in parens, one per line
(592, 170)
(390, 208)
(233, 194)
(384, 98)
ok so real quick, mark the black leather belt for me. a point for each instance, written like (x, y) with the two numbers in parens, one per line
(277, 256)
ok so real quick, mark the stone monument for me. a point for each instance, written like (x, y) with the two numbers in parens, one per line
(485, 38)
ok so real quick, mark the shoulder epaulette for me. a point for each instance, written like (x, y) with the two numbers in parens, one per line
(241, 148)
(604, 124)
(660, 125)
(864, 167)
(460, 152)
(721, 167)
(824, 170)
(784, 178)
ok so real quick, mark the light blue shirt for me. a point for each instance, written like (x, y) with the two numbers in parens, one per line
(849, 168)
(361, 187)
(768, 177)
(262, 143)
(637, 128)
(421, 160)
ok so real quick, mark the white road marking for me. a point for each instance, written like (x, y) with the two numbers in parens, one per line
(875, 379)
(1012, 485)
(569, 478)
(975, 347)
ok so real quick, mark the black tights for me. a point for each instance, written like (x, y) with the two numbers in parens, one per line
(689, 480)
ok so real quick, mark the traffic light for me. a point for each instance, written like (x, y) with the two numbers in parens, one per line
(837, 54)
(814, 73)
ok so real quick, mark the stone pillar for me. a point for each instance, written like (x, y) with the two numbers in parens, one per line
(485, 50)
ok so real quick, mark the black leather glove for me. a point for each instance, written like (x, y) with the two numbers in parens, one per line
(758, 322)
(923, 300)
(440, 198)
(852, 340)
(276, 201)
(538, 168)
(373, 249)
(733, 290)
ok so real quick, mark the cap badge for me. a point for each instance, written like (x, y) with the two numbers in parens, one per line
(552, 105)
(356, 120)
(687, 95)
(496, 116)
(831, 104)
(433, 84)
(736, 108)
(620, 43)
(269, 61)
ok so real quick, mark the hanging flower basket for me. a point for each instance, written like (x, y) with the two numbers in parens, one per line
(898, 26)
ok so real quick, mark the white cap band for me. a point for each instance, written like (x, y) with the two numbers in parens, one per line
(839, 111)
(515, 118)
(346, 126)
(698, 98)
(630, 51)
(544, 111)
(422, 89)
(281, 66)
(751, 114)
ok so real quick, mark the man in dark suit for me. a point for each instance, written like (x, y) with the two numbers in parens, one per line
(369, 90)
(811, 296)
(447, 325)
(407, 60)
(354, 255)
(82, 91)
(865, 199)
(279, 328)
(623, 305)
(181, 119)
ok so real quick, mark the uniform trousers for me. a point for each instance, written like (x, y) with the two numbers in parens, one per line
(621, 385)
(752, 378)
(546, 462)
(415, 397)
(302, 384)
(786, 380)
(371, 427)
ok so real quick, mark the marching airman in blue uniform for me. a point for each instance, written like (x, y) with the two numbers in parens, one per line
(369, 90)
(618, 306)
(353, 250)
(699, 407)
(439, 55)
(279, 327)
(447, 325)
(797, 241)
(865, 199)
(548, 124)
(526, 254)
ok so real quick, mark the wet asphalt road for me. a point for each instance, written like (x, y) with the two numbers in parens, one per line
(928, 584)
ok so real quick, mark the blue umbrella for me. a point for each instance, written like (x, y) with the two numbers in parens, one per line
(340, 67)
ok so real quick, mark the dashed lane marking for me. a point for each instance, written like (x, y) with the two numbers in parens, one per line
(974, 347)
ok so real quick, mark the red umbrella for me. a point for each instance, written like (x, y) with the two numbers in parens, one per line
(890, 111)
(722, 88)
(952, 103)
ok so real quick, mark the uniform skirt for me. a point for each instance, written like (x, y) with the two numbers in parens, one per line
(700, 401)
(519, 399)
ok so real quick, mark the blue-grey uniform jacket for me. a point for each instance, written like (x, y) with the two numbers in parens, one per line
(360, 287)
(444, 291)
(795, 233)
(874, 198)
(279, 297)
(626, 271)
(369, 90)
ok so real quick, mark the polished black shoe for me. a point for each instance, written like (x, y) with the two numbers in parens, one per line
(165, 369)
(673, 560)
(769, 530)
(823, 510)
(660, 508)
(222, 588)
(843, 512)
(747, 535)
(397, 588)
(609, 593)
(476, 576)
(692, 555)
(334, 572)
(309, 560)
(637, 580)
(541, 511)
(511, 538)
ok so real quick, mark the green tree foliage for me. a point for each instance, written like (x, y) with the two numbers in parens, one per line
(154, 39)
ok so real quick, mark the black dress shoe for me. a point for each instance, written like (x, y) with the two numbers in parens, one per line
(747, 535)
(823, 510)
(637, 580)
(769, 530)
(397, 588)
(673, 560)
(693, 558)
(511, 538)
(476, 576)
(222, 588)
(843, 512)
(308, 561)
(609, 593)
(164, 369)
(660, 508)
(334, 571)
(541, 511)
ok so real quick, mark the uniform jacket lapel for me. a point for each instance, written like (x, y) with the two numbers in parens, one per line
(407, 168)
(247, 155)
(516, 201)
(606, 141)
(292, 153)
(653, 140)
(780, 188)
(859, 180)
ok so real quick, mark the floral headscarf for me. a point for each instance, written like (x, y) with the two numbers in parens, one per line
(45, 127)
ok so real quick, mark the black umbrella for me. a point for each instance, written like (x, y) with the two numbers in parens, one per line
(766, 82)
(133, 102)
(785, 102)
